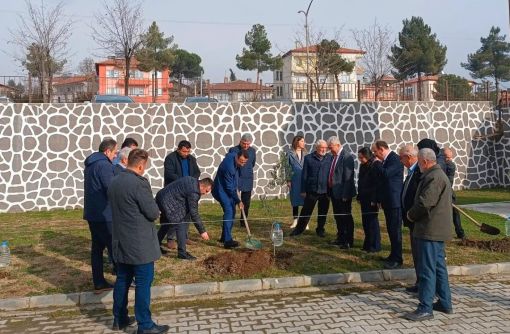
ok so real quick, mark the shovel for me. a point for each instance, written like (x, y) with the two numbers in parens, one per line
(250, 243)
(484, 228)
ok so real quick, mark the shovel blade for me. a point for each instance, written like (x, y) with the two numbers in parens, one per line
(487, 229)
(253, 244)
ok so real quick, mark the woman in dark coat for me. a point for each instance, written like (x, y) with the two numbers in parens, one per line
(368, 179)
(296, 157)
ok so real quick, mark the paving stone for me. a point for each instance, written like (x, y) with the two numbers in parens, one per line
(372, 276)
(479, 269)
(327, 279)
(14, 304)
(504, 268)
(196, 289)
(162, 291)
(241, 285)
(71, 299)
(285, 282)
(399, 274)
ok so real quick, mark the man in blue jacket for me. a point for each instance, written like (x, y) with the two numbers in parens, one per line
(225, 192)
(245, 184)
(314, 187)
(97, 211)
(392, 175)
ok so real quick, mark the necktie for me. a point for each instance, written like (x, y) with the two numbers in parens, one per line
(332, 171)
(406, 184)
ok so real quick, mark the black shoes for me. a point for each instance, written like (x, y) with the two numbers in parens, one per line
(120, 325)
(157, 329)
(418, 316)
(231, 244)
(102, 288)
(392, 265)
(412, 289)
(294, 233)
(186, 256)
(440, 308)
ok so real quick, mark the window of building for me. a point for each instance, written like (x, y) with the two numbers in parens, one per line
(112, 74)
(136, 74)
(279, 91)
(325, 94)
(279, 76)
(136, 91)
(160, 92)
(299, 95)
(346, 94)
(112, 91)
(345, 78)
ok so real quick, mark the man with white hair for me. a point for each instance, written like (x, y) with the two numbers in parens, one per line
(245, 184)
(122, 157)
(314, 187)
(341, 190)
(431, 214)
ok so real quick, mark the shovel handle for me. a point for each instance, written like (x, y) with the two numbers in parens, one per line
(246, 222)
(468, 216)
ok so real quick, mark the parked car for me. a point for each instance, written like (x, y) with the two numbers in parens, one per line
(200, 99)
(5, 99)
(112, 99)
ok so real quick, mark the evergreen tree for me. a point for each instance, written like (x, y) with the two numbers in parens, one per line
(232, 75)
(155, 54)
(451, 87)
(419, 52)
(257, 56)
(492, 60)
(186, 65)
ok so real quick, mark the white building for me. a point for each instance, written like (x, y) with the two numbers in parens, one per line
(291, 82)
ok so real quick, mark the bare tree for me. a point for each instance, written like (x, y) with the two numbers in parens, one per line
(87, 66)
(42, 34)
(119, 30)
(376, 41)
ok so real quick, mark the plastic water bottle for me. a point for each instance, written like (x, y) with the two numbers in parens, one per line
(507, 226)
(277, 235)
(5, 254)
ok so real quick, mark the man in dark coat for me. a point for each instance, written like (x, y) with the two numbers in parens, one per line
(314, 187)
(129, 143)
(450, 173)
(177, 164)
(392, 174)
(432, 144)
(225, 192)
(341, 190)
(431, 213)
(179, 200)
(409, 158)
(135, 244)
(97, 211)
(245, 184)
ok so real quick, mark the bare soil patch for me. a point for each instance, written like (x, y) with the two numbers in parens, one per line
(245, 263)
(495, 245)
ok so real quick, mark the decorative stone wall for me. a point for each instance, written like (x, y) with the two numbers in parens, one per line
(43, 146)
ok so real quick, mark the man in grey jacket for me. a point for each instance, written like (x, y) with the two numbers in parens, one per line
(135, 243)
(431, 214)
(179, 200)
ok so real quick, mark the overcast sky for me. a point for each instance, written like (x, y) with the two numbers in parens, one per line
(215, 29)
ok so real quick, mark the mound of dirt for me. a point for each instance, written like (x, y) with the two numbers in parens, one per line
(244, 263)
(497, 245)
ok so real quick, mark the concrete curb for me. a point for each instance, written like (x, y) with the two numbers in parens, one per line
(248, 285)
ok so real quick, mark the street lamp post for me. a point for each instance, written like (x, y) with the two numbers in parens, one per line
(308, 90)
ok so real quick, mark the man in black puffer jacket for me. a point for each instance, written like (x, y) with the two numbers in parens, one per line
(180, 199)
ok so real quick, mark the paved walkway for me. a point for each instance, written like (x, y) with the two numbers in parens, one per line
(482, 307)
(497, 208)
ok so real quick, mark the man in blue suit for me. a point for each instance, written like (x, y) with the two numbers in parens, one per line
(245, 184)
(392, 175)
(225, 192)
(341, 190)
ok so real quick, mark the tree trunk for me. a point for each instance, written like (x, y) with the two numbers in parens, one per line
(419, 86)
(496, 81)
(377, 87)
(127, 75)
(255, 92)
(338, 89)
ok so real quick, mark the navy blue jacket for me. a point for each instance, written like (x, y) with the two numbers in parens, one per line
(343, 176)
(173, 167)
(408, 199)
(392, 175)
(98, 176)
(180, 198)
(225, 182)
(369, 182)
(246, 172)
(314, 178)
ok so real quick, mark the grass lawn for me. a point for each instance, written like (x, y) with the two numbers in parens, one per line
(51, 249)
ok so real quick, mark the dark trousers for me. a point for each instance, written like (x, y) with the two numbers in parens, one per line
(372, 242)
(170, 230)
(246, 200)
(414, 251)
(229, 211)
(393, 218)
(144, 275)
(459, 231)
(101, 235)
(310, 200)
(344, 221)
(433, 275)
(295, 212)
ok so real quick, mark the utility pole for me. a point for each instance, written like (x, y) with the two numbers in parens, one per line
(307, 42)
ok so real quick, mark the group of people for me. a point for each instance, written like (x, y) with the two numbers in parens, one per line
(422, 201)
(121, 210)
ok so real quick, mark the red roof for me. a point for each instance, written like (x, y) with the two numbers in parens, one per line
(423, 79)
(72, 80)
(313, 49)
(238, 85)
